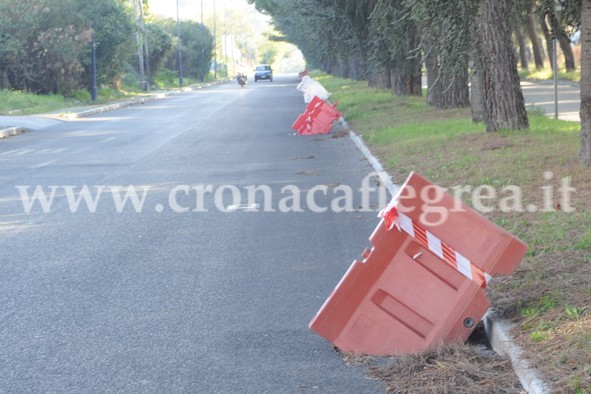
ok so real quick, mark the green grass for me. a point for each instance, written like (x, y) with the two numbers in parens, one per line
(551, 289)
(21, 103)
(546, 74)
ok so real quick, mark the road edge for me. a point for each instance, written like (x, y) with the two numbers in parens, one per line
(139, 100)
(501, 340)
(11, 131)
(498, 331)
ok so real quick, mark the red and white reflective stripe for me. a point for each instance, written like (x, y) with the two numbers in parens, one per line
(393, 218)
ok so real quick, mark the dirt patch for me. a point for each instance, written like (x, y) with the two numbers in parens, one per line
(564, 276)
(563, 357)
(452, 369)
(309, 173)
(340, 133)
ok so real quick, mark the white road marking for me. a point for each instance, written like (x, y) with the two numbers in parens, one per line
(47, 163)
(8, 152)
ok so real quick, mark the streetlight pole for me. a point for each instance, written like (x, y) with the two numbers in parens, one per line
(146, 52)
(202, 48)
(215, 45)
(140, 45)
(226, 40)
(93, 93)
(557, 8)
(180, 52)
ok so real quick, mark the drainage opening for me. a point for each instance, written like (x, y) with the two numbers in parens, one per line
(479, 337)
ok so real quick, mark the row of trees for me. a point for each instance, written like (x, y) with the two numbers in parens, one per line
(387, 42)
(46, 45)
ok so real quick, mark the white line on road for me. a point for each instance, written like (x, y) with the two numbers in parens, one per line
(8, 152)
(47, 163)
(110, 139)
(50, 151)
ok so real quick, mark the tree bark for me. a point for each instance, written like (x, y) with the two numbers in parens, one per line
(380, 80)
(4, 82)
(564, 41)
(536, 43)
(432, 66)
(453, 90)
(585, 151)
(504, 104)
(522, 48)
(547, 37)
(407, 80)
(477, 95)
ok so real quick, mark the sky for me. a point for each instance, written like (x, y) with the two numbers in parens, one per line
(191, 9)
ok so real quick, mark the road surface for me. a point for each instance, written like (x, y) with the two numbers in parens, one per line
(540, 96)
(174, 295)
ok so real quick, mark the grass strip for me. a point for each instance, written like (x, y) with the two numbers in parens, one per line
(550, 293)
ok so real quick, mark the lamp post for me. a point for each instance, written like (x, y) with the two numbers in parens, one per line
(146, 61)
(226, 41)
(180, 52)
(202, 48)
(557, 8)
(140, 45)
(93, 91)
(215, 41)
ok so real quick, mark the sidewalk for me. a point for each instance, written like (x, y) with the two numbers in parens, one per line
(540, 95)
(14, 125)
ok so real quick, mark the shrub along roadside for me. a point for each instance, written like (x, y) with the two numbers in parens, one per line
(14, 102)
(549, 294)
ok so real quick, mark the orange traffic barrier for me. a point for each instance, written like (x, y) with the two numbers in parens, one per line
(422, 283)
(317, 119)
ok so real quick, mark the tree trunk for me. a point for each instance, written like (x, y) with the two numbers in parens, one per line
(453, 90)
(504, 104)
(407, 80)
(4, 82)
(380, 80)
(563, 41)
(433, 88)
(547, 37)
(585, 151)
(477, 94)
(536, 43)
(567, 50)
(522, 48)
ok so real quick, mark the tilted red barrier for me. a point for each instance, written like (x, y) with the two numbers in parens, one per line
(422, 283)
(317, 119)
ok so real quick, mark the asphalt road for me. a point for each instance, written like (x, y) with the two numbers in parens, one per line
(179, 297)
(540, 96)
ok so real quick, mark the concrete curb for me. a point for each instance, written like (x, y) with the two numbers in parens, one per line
(501, 340)
(375, 163)
(12, 131)
(138, 100)
(498, 331)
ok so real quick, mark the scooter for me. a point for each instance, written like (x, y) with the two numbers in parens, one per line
(242, 80)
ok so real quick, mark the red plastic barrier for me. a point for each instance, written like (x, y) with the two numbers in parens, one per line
(317, 119)
(422, 282)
